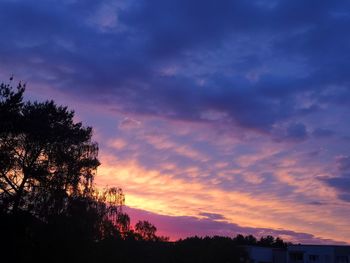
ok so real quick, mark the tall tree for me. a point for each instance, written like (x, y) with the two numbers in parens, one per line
(11, 103)
(146, 230)
(46, 156)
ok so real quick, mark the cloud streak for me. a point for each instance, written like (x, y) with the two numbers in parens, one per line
(192, 226)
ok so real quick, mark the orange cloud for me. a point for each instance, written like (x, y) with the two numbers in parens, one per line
(164, 193)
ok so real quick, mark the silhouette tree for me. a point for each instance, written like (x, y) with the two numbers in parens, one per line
(47, 165)
(146, 230)
(123, 224)
(251, 240)
(108, 204)
(267, 241)
(279, 243)
(46, 157)
(10, 106)
(91, 217)
(240, 240)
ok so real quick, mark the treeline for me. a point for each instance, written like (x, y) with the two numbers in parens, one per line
(50, 210)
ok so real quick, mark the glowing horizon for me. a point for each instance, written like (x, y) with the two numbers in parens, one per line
(164, 194)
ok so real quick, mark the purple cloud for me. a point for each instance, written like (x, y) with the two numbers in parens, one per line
(341, 182)
(185, 226)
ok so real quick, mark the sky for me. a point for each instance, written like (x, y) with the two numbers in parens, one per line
(214, 117)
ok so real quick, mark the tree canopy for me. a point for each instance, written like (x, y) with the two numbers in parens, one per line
(45, 155)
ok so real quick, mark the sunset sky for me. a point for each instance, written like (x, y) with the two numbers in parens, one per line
(214, 117)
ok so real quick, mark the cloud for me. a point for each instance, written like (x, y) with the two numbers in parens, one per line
(215, 49)
(297, 131)
(163, 186)
(294, 132)
(343, 163)
(341, 183)
(212, 216)
(129, 123)
(322, 132)
(185, 226)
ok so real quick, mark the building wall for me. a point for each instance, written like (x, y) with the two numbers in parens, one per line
(342, 254)
(266, 255)
(260, 254)
(279, 256)
(318, 254)
(299, 254)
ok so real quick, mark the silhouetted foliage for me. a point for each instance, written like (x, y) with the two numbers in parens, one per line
(146, 230)
(46, 157)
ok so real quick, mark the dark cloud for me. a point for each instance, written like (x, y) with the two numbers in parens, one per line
(343, 163)
(293, 132)
(176, 26)
(212, 216)
(251, 61)
(323, 133)
(318, 203)
(297, 131)
(342, 182)
(345, 196)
